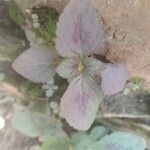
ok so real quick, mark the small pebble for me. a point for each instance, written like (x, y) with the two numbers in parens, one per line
(126, 91)
(34, 16)
(2, 122)
(53, 105)
(49, 93)
(51, 82)
(28, 10)
(129, 85)
(45, 86)
(56, 111)
(135, 87)
(55, 87)
(36, 25)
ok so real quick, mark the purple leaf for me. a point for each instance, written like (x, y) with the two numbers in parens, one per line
(35, 64)
(79, 104)
(114, 78)
(79, 31)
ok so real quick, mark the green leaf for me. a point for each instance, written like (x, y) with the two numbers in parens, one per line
(81, 141)
(41, 107)
(22, 5)
(15, 14)
(99, 132)
(53, 143)
(33, 120)
(41, 120)
(31, 36)
(52, 131)
(34, 16)
(55, 129)
(24, 123)
(120, 141)
(40, 112)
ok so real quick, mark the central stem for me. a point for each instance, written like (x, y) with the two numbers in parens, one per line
(80, 67)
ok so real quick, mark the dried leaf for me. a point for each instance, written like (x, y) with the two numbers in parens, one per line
(79, 31)
(114, 78)
(35, 64)
(80, 103)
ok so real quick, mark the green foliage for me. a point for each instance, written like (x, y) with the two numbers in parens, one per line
(137, 80)
(10, 43)
(31, 36)
(81, 141)
(53, 143)
(30, 121)
(99, 139)
(10, 46)
(37, 121)
(43, 20)
(133, 86)
(99, 132)
(15, 14)
(48, 20)
(35, 21)
(120, 141)
(23, 122)
(33, 90)
(22, 5)
(9, 75)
